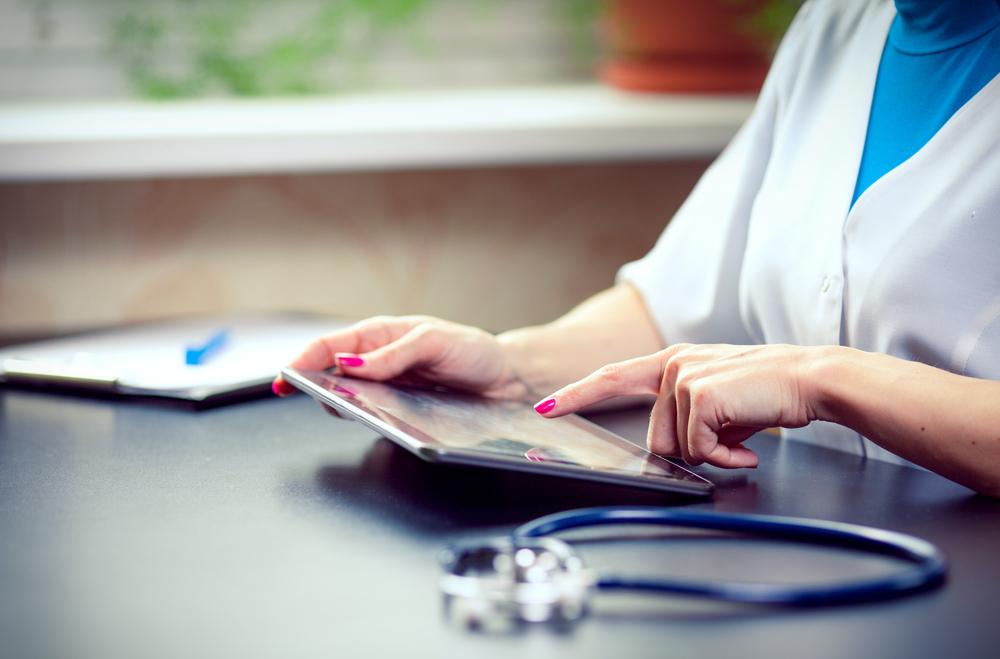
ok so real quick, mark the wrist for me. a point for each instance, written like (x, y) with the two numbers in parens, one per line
(829, 377)
(514, 352)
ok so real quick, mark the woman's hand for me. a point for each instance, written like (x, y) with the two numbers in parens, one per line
(414, 348)
(710, 398)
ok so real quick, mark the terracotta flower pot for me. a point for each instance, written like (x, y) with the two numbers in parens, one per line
(683, 46)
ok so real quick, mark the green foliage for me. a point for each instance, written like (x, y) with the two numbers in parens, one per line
(183, 48)
(581, 16)
(773, 18)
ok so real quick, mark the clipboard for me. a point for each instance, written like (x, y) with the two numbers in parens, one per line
(151, 359)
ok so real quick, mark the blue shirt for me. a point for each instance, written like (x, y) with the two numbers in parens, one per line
(938, 55)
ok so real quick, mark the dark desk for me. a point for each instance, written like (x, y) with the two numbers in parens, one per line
(272, 529)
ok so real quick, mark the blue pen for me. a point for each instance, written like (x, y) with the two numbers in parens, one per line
(198, 354)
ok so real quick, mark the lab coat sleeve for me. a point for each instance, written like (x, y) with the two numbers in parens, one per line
(689, 281)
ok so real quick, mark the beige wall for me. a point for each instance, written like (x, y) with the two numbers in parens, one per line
(494, 247)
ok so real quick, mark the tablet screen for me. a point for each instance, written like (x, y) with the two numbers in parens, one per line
(511, 431)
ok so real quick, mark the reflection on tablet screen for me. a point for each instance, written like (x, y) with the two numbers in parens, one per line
(508, 428)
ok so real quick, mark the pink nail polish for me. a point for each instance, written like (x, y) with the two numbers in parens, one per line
(546, 406)
(349, 359)
(281, 388)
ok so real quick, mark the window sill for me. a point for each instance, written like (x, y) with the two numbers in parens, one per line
(580, 123)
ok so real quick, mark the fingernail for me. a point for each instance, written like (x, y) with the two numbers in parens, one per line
(349, 359)
(281, 388)
(546, 406)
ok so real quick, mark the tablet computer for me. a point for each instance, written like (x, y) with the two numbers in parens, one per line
(455, 428)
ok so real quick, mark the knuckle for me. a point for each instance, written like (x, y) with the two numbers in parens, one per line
(610, 373)
(375, 321)
(671, 369)
(683, 383)
(428, 337)
(425, 332)
(671, 353)
(679, 349)
(376, 328)
(690, 381)
(699, 394)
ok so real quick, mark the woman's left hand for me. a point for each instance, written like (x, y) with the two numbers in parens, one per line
(709, 398)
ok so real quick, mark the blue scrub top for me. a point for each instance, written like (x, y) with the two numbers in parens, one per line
(938, 55)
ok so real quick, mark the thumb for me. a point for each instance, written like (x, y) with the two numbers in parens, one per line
(635, 376)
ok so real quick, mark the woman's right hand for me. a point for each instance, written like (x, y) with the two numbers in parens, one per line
(415, 348)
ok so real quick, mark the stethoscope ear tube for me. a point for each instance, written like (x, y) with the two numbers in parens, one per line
(927, 570)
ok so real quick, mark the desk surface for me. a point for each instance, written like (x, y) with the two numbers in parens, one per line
(271, 529)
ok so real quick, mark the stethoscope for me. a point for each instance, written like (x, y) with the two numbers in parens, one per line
(531, 576)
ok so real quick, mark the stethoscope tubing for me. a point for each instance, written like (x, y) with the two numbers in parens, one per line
(927, 570)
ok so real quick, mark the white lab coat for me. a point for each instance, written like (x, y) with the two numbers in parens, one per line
(767, 248)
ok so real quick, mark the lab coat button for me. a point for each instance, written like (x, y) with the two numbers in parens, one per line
(826, 284)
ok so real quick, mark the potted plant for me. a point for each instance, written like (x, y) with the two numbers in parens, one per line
(703, 46)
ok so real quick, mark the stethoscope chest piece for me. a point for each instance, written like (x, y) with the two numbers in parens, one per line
(506, 582)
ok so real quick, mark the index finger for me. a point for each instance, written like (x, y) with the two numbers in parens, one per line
(320, 354)
(362, 336)
(641, 375)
